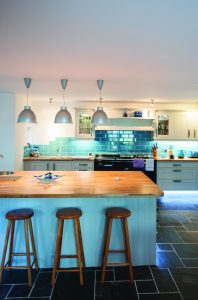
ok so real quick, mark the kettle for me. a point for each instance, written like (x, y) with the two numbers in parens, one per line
(181, 153)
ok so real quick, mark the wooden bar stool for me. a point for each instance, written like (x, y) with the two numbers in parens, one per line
(117, 213)
(12, 216)
(66, 214)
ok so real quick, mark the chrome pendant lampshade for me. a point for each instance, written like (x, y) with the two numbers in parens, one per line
(99, 117)
(63, 115)
(27, 115)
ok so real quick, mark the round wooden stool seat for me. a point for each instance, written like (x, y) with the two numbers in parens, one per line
(19, 214)
(117, 212)
(69, 213)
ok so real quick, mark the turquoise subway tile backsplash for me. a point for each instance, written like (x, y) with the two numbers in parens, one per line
(111, 141)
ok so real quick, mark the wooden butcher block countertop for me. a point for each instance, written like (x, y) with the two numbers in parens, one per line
(80, 184)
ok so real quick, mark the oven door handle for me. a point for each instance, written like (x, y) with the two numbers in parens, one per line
(106, 165)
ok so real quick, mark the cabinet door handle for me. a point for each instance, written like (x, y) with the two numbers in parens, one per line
(83, 165)
(177, 170)
(47, 166)
(176, 180)
(54, 166)
(176, 165)
(188, 133)
(194, 133)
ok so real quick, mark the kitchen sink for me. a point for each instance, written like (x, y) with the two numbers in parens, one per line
(8, 175)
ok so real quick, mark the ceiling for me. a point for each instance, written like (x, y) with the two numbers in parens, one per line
(142, 49)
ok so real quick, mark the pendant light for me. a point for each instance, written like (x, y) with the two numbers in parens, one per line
(27, 115)
(63, 116)
(99, 117)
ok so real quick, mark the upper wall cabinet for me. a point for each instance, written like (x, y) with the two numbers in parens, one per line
(83, 123)
(177, 125)
(164, 125)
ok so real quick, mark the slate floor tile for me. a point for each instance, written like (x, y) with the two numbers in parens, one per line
(109, 275)
(42, 287)
(165, 247)
(161, 296)
(19, 290)
(115, 291)
(168, 235)
(163, 280)
(189, 237)
(18, 276)
(146, 286)
(4, 290)
(140, 273)
(187, 281)
(166, 259)
(186, 250)
(191, 226)
(68, 286)
(190, 262)
(171, 219)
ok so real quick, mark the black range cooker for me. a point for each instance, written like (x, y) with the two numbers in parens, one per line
(119, 162)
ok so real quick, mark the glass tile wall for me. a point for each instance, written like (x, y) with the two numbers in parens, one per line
(106, 141)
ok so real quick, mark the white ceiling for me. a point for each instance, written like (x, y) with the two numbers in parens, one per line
(142, 49)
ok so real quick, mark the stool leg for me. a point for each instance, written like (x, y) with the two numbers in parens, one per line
(28, 252)
(81, 243)
(79, 253)
(33, 243)
(4, 250)
(11, 243)
(106, 248)
(127, 245)
(57, 250)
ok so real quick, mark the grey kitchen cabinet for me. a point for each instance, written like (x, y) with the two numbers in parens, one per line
(48, 165)
(177, 175)
(83, 165)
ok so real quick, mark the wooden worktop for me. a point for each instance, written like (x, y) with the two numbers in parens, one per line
(57, 157)
(80, 184)
(188, 159)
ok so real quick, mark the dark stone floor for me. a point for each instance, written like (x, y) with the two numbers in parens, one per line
(175, 275)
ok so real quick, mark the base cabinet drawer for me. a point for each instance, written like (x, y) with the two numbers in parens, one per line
(177, 175)
(48, 165)
(83, 166)
(177, 185)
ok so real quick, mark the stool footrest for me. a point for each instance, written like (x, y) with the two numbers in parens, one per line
(15, 267)
(66, 270)
(117, 264)
(68, 256)
(116, 251)
(20, 254)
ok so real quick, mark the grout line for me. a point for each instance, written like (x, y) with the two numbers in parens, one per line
(53, 287)
(9, 291)
(175, 283)
(136, 289)
(33, 284)
(154, 279)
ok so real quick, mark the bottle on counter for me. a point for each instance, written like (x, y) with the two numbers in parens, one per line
(170, 151)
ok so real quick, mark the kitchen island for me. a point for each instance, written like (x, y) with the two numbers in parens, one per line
(92, 192)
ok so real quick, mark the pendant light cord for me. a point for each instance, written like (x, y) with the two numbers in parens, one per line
(64, 97)
(100, 97)
(27, 98)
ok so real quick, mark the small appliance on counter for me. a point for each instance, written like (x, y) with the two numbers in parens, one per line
(192, 153)
(181, 153)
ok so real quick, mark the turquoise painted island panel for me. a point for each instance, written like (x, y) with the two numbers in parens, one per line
(142, 228)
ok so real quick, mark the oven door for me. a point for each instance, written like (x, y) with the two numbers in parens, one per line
(113, 165)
